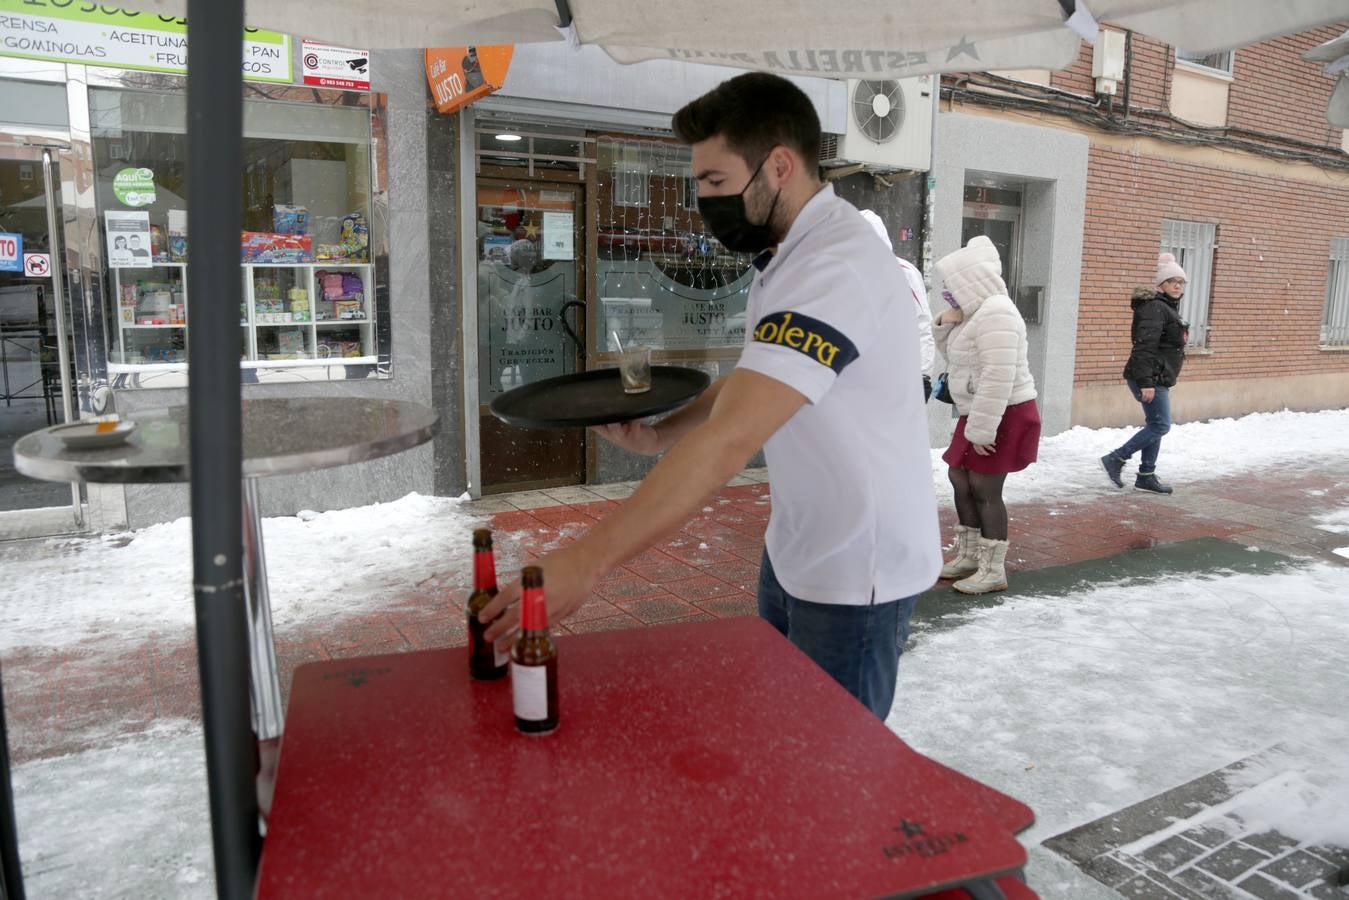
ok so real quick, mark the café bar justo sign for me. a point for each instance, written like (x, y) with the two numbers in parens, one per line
(458, 76)
(96, 34)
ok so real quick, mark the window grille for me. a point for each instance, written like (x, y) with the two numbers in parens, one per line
(1219, 62)
(1193, 244)
(1335, 321)
(631, 178)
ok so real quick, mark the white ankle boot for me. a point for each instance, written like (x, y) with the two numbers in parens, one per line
(966, 561)
(992, 573)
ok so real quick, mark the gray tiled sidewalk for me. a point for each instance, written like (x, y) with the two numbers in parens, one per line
(1205, 839)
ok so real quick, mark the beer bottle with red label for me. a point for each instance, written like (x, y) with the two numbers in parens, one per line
(485, 661)
(534, 661)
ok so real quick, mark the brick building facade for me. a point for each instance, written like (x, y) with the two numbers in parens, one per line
(1257, 193)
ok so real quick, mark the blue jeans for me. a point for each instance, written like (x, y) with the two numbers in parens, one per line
(1149, 437)
(859, 646)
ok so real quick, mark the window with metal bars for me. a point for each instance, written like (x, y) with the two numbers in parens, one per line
(1335, 320)
(688, 195)
(1193, 244)
(631, 179)
(1219, 62)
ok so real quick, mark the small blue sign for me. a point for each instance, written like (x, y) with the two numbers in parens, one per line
(11, 252)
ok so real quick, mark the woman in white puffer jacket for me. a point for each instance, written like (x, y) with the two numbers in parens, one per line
(983, 338)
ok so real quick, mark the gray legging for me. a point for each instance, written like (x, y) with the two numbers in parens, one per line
(979, 502)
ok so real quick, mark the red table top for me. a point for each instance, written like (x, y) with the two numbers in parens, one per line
(705, 759)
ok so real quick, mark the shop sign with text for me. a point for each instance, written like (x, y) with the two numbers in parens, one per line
(460, 75)
(335, 67)
(97, 34)
(134, 186)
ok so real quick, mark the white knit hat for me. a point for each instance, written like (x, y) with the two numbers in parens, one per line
(1168, 268)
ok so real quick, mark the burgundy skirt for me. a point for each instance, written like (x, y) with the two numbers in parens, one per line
(1017, 443)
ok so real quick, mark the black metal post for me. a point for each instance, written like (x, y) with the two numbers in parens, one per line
(214, 218)
(11, 874)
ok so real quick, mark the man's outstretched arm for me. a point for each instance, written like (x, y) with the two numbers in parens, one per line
(748, 408)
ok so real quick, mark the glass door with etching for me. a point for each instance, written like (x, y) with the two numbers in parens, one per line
(35, 321)
(531, 318)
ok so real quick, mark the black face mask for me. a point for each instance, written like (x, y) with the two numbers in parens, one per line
(726, 218)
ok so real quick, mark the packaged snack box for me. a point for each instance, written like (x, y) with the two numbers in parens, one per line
(288, 219)
(266, 247)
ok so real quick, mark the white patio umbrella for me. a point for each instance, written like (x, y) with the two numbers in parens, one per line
(859, 38)
(1335, 54)
(856, 38)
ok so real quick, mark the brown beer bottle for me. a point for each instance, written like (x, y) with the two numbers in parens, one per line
(485, 661)
(534, 661)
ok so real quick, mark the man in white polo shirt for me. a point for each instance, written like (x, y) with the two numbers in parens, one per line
(828, 385)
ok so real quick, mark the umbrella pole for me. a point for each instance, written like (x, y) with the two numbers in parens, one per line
(214, 161)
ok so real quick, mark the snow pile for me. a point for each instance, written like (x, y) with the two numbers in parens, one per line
(1303, 799)
(130, 586)
(1336, 522)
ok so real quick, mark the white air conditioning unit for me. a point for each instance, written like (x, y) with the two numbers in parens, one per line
(889, 126)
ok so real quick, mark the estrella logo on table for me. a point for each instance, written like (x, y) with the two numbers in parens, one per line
(920, 841)
(821, 342)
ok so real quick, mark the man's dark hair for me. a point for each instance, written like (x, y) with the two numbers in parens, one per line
(754, 113)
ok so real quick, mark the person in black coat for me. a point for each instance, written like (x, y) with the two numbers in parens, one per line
(1159, 336)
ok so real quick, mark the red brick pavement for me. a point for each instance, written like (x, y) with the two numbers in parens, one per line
(63, 701)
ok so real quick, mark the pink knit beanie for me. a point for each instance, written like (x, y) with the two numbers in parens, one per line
(1168, 268)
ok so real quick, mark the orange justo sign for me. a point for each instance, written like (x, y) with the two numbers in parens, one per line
(460, 75)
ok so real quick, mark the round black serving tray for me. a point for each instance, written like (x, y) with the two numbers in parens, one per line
(596, 398)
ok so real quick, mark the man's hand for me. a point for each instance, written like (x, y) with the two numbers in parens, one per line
(986, 449)
(1148, 394)
(636, 436)
(648, 439)
(567, 582)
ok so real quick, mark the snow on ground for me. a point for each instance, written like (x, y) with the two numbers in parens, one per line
(318, 565)
(1336, 522)
(1308, 804)
(1078, 705)
(1069, 466)
(328, 564)
(1081, 705)
(125, 821)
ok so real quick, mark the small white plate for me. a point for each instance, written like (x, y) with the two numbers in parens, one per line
(86, 436)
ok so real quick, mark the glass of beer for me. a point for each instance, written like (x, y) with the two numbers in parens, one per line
(634, 367)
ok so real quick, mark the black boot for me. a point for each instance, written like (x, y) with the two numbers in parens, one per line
(1151, 483)
(1113, 466)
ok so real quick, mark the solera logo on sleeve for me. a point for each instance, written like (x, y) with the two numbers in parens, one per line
(823, 343)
